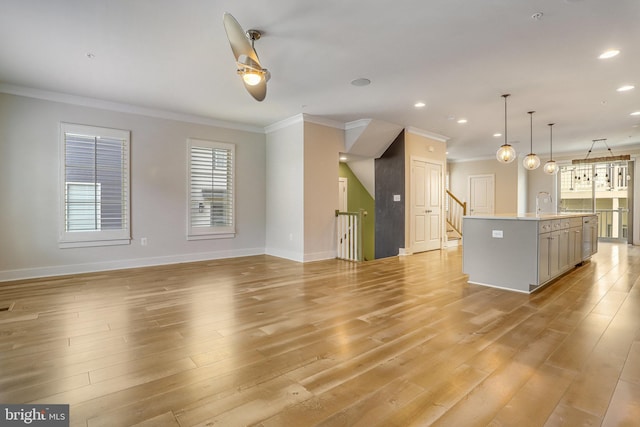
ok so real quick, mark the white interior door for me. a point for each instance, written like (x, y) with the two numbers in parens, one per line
(426, 205)
(481, 194)
(342, 195)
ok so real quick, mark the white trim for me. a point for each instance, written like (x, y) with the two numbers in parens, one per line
(123, 108)
(493, 195)
(283, 124)
(323, 121)
(293, 256)
(302, 118)
(427, 134)
(319, 256)
(357, 124)
(500, 287)
(74, 239)
(409, 200)
(94, 267)
(211, 231)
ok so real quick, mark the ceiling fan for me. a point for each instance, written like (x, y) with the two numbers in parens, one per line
(253, 75)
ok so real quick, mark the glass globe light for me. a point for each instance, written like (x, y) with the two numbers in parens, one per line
(506, 154)
(531, 161)
(551, 167)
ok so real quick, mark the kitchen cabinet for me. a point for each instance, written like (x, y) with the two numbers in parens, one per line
(525, 252)
(589, 236)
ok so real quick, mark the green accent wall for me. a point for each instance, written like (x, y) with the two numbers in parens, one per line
(359, 198)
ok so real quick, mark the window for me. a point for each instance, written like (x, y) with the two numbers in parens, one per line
(95, 186)
(211, 212)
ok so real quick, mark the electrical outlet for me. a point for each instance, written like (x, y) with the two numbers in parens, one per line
(143, 241)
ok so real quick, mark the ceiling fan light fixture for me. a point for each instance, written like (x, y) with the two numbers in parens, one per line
(251, 77)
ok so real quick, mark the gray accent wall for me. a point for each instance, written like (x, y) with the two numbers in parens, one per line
(390, 214)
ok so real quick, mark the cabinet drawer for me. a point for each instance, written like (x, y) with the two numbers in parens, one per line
(545, 227)
(575, 222)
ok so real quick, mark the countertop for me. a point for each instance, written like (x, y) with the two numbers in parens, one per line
(531, 216)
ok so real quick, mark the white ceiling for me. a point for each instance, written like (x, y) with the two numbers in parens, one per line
(458, 56)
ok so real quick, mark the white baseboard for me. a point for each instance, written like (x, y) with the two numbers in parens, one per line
(62, 270)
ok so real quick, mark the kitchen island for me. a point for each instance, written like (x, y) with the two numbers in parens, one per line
(525, 252)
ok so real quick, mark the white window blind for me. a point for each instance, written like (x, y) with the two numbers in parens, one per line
(95, 186)
(211, 210)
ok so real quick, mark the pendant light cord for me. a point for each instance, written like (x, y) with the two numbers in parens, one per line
(551, 139)
(531, 131)
(505, 96)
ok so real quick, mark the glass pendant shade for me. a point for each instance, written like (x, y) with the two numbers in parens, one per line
(531, 161)
(506, 154)
(551, 167)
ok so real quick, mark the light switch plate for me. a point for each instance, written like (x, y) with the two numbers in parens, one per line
(497, 234)
(396, 197)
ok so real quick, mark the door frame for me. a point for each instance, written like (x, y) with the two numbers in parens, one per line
(482, 175)
(409, 202)
(344, 196)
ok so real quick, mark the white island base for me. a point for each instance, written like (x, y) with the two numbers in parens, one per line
(525, 252)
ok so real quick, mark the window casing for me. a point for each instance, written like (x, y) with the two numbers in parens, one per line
(211, 190)
(94, 185)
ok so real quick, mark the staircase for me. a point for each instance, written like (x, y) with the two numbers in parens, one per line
(455, 210)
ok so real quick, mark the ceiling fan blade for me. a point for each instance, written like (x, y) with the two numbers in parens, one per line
(238, 40)
(258, 91)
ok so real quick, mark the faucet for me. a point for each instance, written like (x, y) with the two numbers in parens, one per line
(542, 196)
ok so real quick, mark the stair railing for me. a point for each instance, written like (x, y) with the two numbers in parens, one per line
(456, 209)
(349, 235)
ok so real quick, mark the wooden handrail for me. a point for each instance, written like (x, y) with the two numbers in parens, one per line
(463, 204)
(456, 210)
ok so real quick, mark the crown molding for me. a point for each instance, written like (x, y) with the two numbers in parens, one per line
(427, 134)
(282, 124)
(303, 118)
(123, 108)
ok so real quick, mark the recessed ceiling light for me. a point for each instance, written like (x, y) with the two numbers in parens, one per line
(625, 88)
(635, 113)
(419, 104)
(609, 54)
(343, 158)
(462, 121)
(497, 135)
(361, 82)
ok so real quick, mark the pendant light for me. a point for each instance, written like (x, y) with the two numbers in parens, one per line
(531, 161)
(551, 167)
(506, 153)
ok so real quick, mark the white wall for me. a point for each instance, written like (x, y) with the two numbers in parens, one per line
(506, 181)
(322, 146)
(538, 181)
(285, 191)
(29, 143)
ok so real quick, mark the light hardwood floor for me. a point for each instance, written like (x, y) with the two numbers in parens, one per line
(269, 342)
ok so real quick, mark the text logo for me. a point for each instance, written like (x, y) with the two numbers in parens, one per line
(34, 415)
